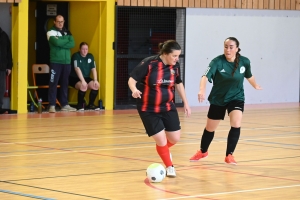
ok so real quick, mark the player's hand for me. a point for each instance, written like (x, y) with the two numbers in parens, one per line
(136, 94)
(96, 84)
(84, 84)
(257, 87)
(8, 71)
(187, 110)
(201, 96)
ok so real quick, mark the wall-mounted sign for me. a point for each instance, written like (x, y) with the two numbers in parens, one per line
(51, 9)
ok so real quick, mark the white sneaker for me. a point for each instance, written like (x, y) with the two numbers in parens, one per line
(171, 172)
(52, 109)
(68, 108)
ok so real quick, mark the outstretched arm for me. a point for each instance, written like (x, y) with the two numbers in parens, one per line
(181, 91)
(253, 83)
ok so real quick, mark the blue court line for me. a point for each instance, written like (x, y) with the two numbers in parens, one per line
(25, 195)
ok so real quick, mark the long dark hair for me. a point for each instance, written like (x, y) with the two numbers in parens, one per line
(237, 55)
(168, 47)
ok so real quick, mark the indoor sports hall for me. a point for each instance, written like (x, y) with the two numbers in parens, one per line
(104, 154)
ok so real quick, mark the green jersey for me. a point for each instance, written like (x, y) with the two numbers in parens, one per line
(226, 87)
(86, 64)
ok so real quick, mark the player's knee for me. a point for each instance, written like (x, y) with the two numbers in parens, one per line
(83, 88)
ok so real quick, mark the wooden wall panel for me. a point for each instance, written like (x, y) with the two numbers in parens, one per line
(126, 3)
(160, 3)
(120, 2)
(276, 4)
(133, 3)
(288, 4)
(185, 3)
(166, 3)
(282, 5)
(232, 4)
(209, 4)
(266, 4)
(215, 3)
(146, 2)
(173, 3)
(261, 4)
(244, 4)
(191, 3)
(297, 4)
(271, 4)
(2, 1)
(293, 5)
(227, 4)
(203, 3)
(255, 4)
(238, 3)
(221, 3)
(140, 3)
(153, 3)
(197, 4)
(179, 3)
(249, 4)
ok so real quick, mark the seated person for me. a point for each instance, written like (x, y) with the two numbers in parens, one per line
(82, 64)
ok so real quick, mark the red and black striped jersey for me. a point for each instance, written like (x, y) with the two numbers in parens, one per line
(156, 81)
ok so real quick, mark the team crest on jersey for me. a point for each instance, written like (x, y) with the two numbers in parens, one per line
(89, 60)
(242, 69)
(172, 71)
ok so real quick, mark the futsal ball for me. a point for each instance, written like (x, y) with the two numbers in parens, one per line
(156, 172)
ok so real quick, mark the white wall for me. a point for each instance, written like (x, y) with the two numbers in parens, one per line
(269, 38)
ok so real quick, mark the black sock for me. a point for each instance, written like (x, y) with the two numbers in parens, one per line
(93, 95)
(232, 139)
(80, 98)
(206, 139)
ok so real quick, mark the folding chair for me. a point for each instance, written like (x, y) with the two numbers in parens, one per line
(41, 76)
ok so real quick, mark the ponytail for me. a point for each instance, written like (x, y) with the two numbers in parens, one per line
(236, 61)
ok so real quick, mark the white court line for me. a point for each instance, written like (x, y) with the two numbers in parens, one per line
(142, 135)
(112, 149)
(233, 192)
(67, 140)
(74, 151)
(250, 129)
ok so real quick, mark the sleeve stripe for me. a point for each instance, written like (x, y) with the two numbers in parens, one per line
(207, 70)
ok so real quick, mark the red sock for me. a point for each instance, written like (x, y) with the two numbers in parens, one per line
(169, 143)
(164, 153)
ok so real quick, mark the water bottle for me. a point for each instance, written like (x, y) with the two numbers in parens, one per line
(31, 107)
(40, 106)
(100, 104)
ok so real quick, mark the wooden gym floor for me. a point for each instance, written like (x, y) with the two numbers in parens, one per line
(104, 155)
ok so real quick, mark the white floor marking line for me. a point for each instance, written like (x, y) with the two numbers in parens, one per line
(142, 135)
(67, 140)
(233, 192)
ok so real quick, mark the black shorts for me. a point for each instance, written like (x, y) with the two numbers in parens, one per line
(156, 122)
(74, 80)
(218, 112)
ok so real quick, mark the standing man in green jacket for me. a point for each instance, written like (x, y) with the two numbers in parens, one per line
(60, 41)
